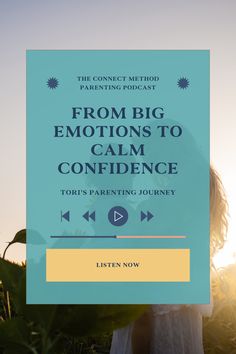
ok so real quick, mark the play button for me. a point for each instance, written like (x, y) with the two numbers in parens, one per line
(118, 216)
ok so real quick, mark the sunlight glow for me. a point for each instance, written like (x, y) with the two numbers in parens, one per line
(228, 254)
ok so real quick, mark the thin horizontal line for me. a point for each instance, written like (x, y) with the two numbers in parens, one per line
(109, 236)
(148, 236)
(119, 236)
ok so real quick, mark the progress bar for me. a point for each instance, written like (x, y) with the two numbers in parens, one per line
(149, 236)
(69, 236)
(121, 236)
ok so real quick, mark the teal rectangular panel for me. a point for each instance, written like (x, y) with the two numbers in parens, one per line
(117, 158)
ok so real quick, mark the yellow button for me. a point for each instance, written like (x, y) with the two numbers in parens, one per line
(118, 265)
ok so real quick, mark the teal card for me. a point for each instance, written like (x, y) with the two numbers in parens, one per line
(118, 177)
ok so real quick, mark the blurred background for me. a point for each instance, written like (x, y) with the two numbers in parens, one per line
(106, 24)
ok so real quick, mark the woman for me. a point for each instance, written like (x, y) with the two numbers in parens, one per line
(176, 329)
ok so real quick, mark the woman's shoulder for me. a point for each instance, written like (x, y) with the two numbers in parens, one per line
(165, 309)
(203, 309)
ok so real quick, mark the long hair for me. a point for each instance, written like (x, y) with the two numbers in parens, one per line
(218, 213)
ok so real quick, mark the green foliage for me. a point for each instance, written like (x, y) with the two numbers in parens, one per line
(220, 329)
(11, 276)
(20, 237)
(86, 329)
(52, 329)
(14, 334)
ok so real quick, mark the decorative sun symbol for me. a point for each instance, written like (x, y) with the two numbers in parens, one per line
(52, 83)
(183, 83)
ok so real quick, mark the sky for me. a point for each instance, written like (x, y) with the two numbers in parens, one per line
(107, 24)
